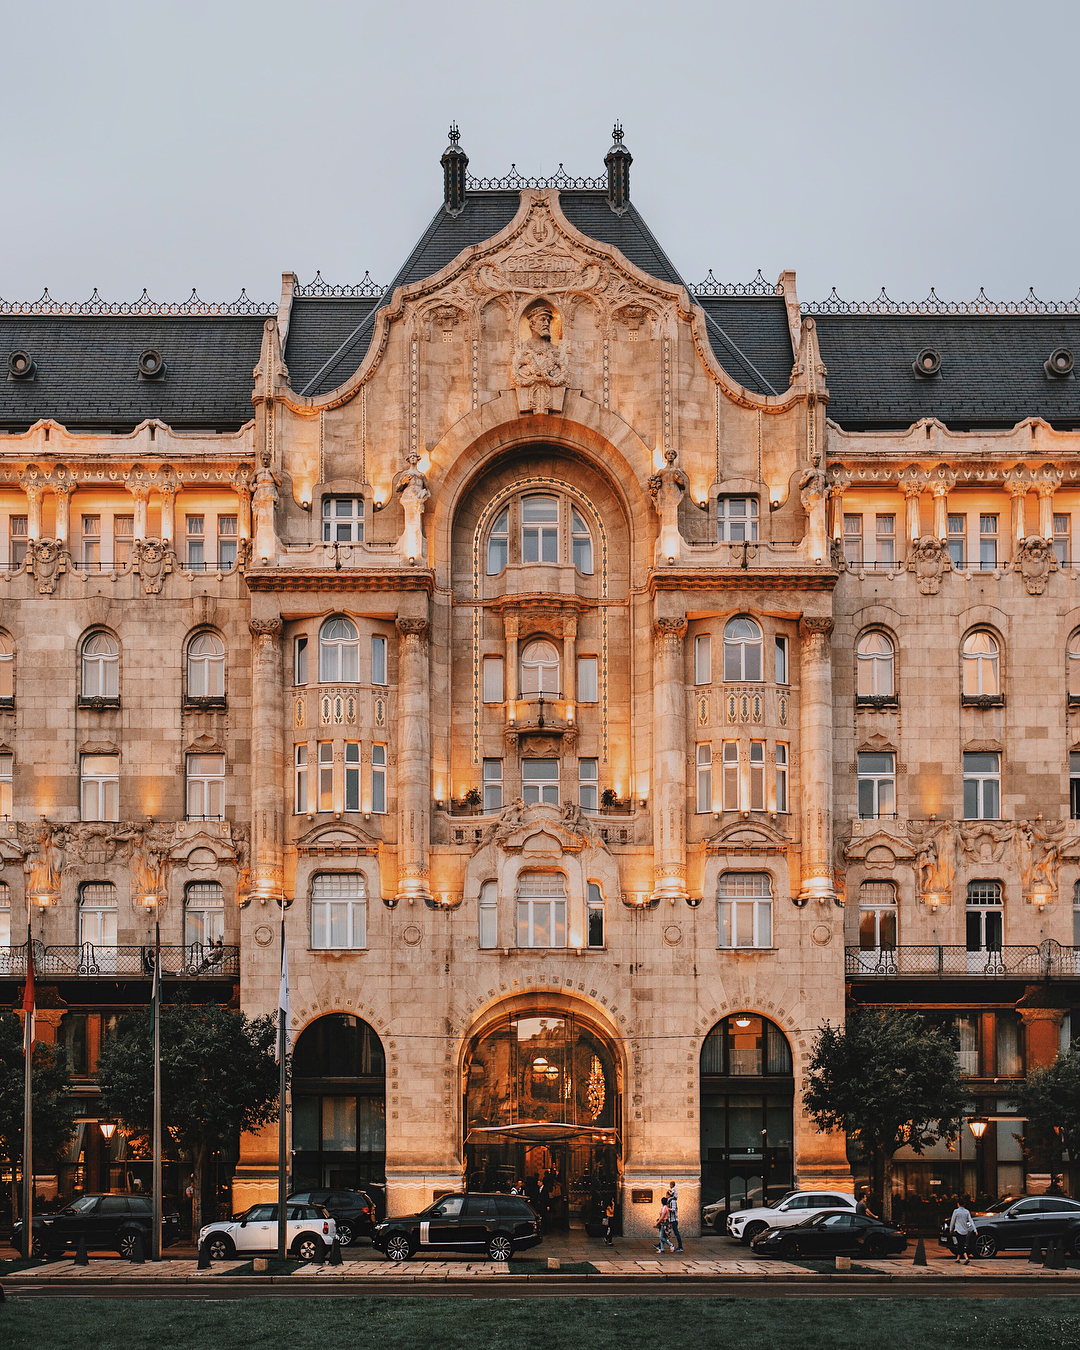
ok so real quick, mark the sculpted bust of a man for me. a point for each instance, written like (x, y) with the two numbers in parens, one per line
(538, 368)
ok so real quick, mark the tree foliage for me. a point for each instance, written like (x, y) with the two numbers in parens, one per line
(52, 1104)
(886, 1079)
(1050, 1099)
(218, 1078)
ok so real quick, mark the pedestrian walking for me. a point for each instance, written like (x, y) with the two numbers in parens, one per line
(662, 1222)
(609, 1220)
(673, 1215)
(962, 1231)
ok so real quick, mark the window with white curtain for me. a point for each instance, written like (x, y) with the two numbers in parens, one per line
(874, 666)
(339, 649)
(981, 662)
(338, 911)
(205, 787)
(587, 682)
(5, 914)
(541, 910)
(101, 666)
(378, 659)
(493, 679)
(7, 667)
(540, 669)
(488, 912)
(745, 905)
(204, 913)
(498, 549)
(493, 784)
(100, 787)
(206, 666)
(742, 650)
(97, 913)
(582, 543)
(703, 659)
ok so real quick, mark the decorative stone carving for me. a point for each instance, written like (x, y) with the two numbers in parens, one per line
(935, 859)
(815, 633)
(263, 502)
(1040, 854)
(47, 562)
(669, 636)
(1035, 560)
(265, 633)
(413, 490)
(153, 562)
(929, 559)
(985, 841)
(538, 370)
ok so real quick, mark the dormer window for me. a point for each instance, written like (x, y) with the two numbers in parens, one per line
(736, 519)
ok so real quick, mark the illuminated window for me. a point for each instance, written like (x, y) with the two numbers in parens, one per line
(874, 666)
(981, 664)
(541, 910)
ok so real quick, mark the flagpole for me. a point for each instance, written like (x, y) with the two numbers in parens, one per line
(28, 1090)
(155, 1222)
(283, 1000)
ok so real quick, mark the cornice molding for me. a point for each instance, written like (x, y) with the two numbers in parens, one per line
(744, 579)
(263, 580)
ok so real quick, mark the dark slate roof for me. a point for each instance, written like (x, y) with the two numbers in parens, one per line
(589, 212)
(317, 329)
(751, 340)
(87, 373)
(991, 369)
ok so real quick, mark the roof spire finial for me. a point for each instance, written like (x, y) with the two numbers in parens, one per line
(618, 160)
(454, 162)
(455, 135)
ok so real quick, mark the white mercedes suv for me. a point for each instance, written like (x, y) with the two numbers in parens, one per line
(745, 1224)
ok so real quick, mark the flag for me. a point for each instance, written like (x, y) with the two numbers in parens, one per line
(283, 995)
(28, 996)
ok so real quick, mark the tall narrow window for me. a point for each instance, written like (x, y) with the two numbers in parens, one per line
(736, 519)
(326, 775)
(100, 775)
(300, 777)
(587, 682)
(378, 779)
(874, 666)
(967, 1035)
(352, 775)
(488, 908)
(339, 647)
(196, 543)
(886, 541)
(91, 543)
(204, 914)
(493, 679)
(378, 659)
(300, 660)
(540, 781)
(343, 520)
(206, 787)
(982, 785)
(1062, 539)
(957, 526)
(731, 776)
(782, 660)
(97, 914)
(988, 543)
(5, 914)
(338, 911)
(498, 548)
(1073, 672)
(493, 785)
(540, 669)
(206, 666)
(123, 538)
(981, 662)
(1074, 785)
(877, 786)
(985, 916)
(7, 669)
(541, 910)
(742, 650)
(704, 778)
(588, 784)
(703, 659)
(7, 763)
(853, 551)
(745, 909)
(101, 666)
(877, 916)
(757, 775)
(17, 540)
(781, 777)
(1076, 917)
(227, 536)
(540, 529)
(1010, 1055)
(594, 918)
(582, 542)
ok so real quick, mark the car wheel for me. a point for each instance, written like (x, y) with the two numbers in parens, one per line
(126, 1245)
(875, 1248)
(308, 1247)
(398, 1248)
(985, 1245)
(1073, 1244)
(344, 1233)
(789, 1248)
(500, 1248)
(751, 1231)
(220, 1247)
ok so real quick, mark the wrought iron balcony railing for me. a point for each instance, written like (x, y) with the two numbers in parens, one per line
(1049, 960)
(195, 961)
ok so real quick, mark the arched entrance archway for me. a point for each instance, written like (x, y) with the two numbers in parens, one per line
(747, 1112)
(543, 1106)
(339, 1104)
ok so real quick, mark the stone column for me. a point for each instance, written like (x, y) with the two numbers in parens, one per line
(33, 509)
(941, 510)
(413, 759)
(913, 523)
(62, 492)
(837, 495)
(569, 647)
(816, 757)
(267, 787)
(1018, 492)
(510, 628)
(168, 513)
(1046, 510)
(669, 760)
(141, 494)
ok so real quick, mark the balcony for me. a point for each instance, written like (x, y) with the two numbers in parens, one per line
(1048, 961)
(197, 961)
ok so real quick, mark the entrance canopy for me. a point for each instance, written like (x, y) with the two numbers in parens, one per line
(543, 1132)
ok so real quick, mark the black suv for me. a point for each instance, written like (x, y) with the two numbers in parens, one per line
(352, 1211)
(104, 1221)
(499, 1224)
(1028, 1222)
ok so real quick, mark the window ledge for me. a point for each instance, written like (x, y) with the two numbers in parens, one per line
(337, 951)
(7, 703)
(982, 700)
(765, 951)
(99, 704)
(204, 703)
(878, 702)
(1074, 701)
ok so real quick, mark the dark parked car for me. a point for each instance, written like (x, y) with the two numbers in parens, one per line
(836, 1234)
(497, 1224)
(1030, 1221)
(104, 1221)
(354, 1211)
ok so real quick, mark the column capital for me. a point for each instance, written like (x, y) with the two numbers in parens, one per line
(265, 631)
(669, 632)
(1029, 1015)
(913, 488)
(409, 628)
(1017, 487)
(511, 625)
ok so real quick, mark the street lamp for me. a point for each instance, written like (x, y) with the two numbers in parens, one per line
(977, 1125)
(107, 1128)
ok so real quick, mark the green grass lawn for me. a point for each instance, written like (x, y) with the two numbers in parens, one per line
(549, 1324)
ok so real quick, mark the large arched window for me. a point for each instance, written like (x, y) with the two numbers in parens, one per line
(540, 669)
(874, 662)
(533, 528)
(7, 669)
(339, 1105)
(742, 650)
(100, 666)
(982, 667)
(204, 913)
(206, 666)
(338, 911)
(339, 651)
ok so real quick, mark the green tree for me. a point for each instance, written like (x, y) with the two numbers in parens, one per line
(1050, 1099)
(886, 1079)
(218, 1078)
(52, 1104)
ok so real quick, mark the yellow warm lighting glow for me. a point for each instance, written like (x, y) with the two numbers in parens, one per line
(658, 459)
(978, 1127)
(107, 1128)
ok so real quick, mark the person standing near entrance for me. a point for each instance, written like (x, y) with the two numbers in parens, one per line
(609, 1220)
(962, 1231)
(673, 1215)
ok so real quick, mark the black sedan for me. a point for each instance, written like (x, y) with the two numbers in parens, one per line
(497, 1224)
(832, 1234)
(115, 1221)
(352, 1211)
(1031, 1221)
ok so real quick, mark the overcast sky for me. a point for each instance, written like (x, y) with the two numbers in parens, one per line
(172, 145)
